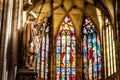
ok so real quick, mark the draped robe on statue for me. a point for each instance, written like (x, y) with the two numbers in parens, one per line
(31, 44)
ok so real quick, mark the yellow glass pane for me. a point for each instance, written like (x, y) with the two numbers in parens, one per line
(112, 69)
(108, 64)
(114, 57)
(73, 64)
(111, 59)
(109, 68)
(106, 21)
(107, 43)
(104, 42)
(107, 35)
(108, 56)
(111, 65)
(112, 35)
(108, 71)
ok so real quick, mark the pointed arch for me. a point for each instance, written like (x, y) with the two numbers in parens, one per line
(66, 51)
(91, 51)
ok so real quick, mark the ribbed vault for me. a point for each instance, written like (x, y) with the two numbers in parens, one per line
(61, 8)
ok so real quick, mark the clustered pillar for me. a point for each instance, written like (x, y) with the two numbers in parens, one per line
(9, 24)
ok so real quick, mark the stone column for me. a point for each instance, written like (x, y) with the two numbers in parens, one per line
(5, 36)
(1, 13)
(9, 23)
(14, 44)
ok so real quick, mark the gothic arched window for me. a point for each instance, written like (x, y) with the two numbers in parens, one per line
(42, 57)
(66, 51)
(91, 51)
(107, 38)
(109, 49)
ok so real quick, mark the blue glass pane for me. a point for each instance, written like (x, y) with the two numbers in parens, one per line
(57, 70)
(91, 51)
(58, 50)
(73, 43)
(38, 62)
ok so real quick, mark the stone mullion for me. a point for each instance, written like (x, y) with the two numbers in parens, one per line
(50, 58)
(118, 42)
(118, 47)
(79, 51)
(53, 59)
(78, 59)
(51, 50)
(103, 49)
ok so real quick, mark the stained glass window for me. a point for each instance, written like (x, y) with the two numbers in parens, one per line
(109, 49)
(42, 57)
(91, 51)
(66, 51)
(108, 44)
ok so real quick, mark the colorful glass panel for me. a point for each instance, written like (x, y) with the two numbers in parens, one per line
(66, 51)
(91, 51)
(42, 57)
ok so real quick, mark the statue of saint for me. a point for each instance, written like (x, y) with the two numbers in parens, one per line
(31, 42)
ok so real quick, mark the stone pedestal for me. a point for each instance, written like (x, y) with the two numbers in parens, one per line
(27, 74)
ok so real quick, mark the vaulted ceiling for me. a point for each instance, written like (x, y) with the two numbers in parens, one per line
(106, 5)
(61, 8)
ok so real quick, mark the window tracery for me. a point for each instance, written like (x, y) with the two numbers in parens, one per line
(66, 51)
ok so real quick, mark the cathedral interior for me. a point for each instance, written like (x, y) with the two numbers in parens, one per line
(59, 39)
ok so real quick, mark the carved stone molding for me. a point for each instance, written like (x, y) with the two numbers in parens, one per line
(26, 74)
